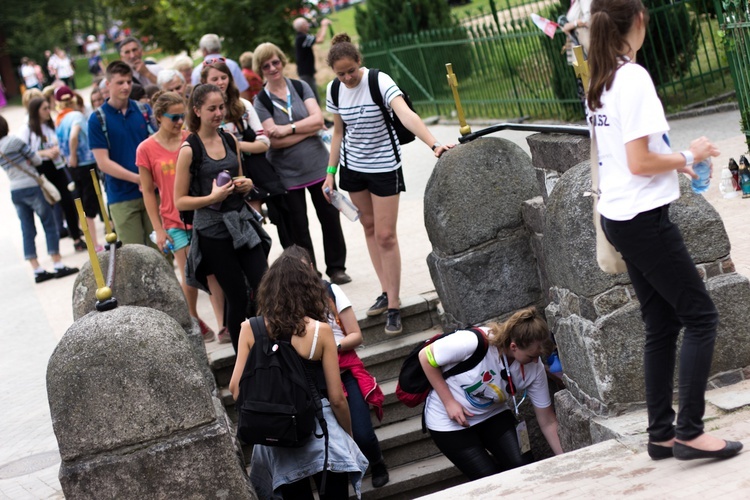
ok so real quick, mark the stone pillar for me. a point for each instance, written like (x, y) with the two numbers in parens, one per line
(143, 277)
(481, 264)
(133, 416)
(596, 316)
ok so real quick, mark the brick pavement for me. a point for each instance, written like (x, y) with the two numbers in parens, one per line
(34, 317)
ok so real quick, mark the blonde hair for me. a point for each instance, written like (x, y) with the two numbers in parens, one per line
(524, 328)
(162, 101)
(263, 53)
(30, 94)
(246, 60)
(182, 62)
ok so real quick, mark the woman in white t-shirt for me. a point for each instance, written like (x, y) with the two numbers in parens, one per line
(371, 165)
(470, 415)
(638, 181)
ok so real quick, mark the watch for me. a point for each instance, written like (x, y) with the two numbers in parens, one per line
(689, 158)
(294, 128)
(436, 145)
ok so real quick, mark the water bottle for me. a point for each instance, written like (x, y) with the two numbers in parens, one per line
(744, 180)
(345, 206)
(727, 185)
(222, 178)
(326, 135)
(703, 170)
(168, 246)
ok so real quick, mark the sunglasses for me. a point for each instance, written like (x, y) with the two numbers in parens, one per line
(276, 63)
(213, 60)
(175, 117)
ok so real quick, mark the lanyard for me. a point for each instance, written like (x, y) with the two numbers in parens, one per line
(511, 385)
(288, 109)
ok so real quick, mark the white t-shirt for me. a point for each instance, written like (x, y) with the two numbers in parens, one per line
(342, 302)
(29, 76)
(61, 67)
(249, 120)
(481, 390)
(631, 109)
(367, 142)
(36, 143)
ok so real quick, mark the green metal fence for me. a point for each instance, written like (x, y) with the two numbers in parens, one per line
(508, 68)
(735, 33)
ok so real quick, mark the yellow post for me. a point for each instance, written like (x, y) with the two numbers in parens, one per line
(453, 83)
(581, 67)
(103, 292)
(111, 237)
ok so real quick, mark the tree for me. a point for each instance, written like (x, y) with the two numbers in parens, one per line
(385, 18)
(30, 31)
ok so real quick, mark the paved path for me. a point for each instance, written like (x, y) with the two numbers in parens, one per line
(34, 317)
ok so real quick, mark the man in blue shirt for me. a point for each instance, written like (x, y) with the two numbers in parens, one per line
(210, 45)
(127, 125)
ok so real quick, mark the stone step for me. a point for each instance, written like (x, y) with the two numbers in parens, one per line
(415, 479)
(403, 442)
(384, 360)
(418, 313)
(393, 409)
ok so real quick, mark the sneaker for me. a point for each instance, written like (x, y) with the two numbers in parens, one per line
(65, 271)
(380, 306)
(43, 276)
(379, 474)
(99, 248)
(393, 322)
(224, 337)
(80, 246)
(206, 332)
(340, 277)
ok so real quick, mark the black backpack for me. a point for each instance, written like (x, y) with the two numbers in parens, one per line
(186, 216)
(392, 121)
(278, 402)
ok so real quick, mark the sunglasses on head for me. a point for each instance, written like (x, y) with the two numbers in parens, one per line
(175, 117)
(213, 60)
(267, 66)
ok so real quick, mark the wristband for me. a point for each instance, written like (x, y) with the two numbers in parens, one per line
(689, 158)
(294, 128)
(436, 145)
(332, 169)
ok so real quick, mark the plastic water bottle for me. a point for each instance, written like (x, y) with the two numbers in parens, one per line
(326, 135)
(703, 170)
(345, 206)
(168, 246)
(727, 185)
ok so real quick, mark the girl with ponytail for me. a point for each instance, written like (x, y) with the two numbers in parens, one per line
(471, 415)
(638, 180)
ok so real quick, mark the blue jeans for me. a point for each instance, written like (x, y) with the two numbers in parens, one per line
(29, 201)
(672, 295)
(364, 434)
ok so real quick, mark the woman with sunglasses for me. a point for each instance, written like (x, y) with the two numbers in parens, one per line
(241, 119)
(156, 158)
(292, 120)
(471, 415)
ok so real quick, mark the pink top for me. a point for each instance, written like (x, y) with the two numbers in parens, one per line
(162, 164)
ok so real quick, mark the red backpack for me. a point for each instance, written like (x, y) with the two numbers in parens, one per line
(413, 386)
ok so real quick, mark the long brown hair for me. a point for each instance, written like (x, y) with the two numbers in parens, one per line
(162, 101)
(289, 292)
(610, 23)
(197, 100)
(525, 327)
(235, 108)
(35, 123)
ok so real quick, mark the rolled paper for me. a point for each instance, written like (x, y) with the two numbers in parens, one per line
(102, 207)
(581, 67)
(98, 276)
(464, 129)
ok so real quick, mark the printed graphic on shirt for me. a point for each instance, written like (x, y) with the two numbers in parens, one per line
(168, 167)
(483, 392)
(599, 120)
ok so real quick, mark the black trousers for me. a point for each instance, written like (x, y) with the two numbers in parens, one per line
(60, 180)
(469, 449)
(238, 273)
(297, 231)
(672, 295)
(337, 487)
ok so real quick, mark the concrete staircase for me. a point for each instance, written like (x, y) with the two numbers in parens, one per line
(415, 465)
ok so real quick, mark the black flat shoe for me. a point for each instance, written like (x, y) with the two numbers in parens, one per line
(685, 452)
(659, 452)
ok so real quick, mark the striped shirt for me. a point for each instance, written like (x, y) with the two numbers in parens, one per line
(367, 146)
(18, 152)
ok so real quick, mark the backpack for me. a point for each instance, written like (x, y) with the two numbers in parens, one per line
(265, 99)
(278, 402)
(392, 121)
(148, 117)
(413, 387)
(186, 216)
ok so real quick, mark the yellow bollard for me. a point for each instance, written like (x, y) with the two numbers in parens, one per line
(465, 129)
(110, 236)
(103, 292)
(581, 67)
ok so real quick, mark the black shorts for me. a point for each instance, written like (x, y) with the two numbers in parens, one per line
(85, 186)
(379, 184)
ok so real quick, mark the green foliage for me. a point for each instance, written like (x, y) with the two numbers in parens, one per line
(147, 18)
(34, 27)
(386, 18)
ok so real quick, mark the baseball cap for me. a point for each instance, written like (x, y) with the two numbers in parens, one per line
(63, 93)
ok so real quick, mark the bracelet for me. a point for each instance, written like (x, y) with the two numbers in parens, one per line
(294, 128)
(689, 158)
(332, 169)
(436, 145)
